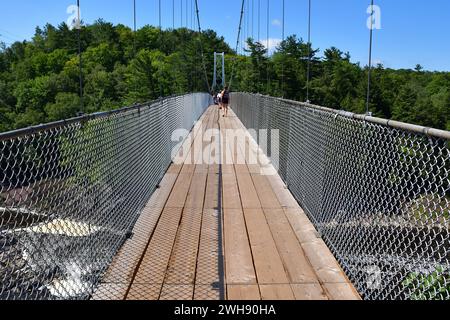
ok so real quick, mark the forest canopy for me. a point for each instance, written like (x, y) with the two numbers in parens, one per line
(39, 79)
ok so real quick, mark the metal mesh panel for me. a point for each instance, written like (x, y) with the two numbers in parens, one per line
(71, 192)
(377, 191)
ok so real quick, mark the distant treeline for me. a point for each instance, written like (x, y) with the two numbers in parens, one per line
(39, 79)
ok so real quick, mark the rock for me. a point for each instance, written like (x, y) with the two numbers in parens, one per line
(12, 218)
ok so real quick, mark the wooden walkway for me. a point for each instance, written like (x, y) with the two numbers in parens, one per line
(223, 232)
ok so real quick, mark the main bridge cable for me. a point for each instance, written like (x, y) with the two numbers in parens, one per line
(308, 75)
(161, 37)
(201, 46)
(259, 20)
(370, 60)
(80, 56)
(268, 44)
(237, 42)
(160, 15)
(282, 60)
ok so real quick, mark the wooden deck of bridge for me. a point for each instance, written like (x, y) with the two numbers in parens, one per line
(260, 245)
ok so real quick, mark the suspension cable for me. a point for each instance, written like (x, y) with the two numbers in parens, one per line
(268, 44)
(192, 14)
(248, 20)
(173, 14)
(283, 38)
(237, 41)
(160, 17)
(370, 59)
(134, 27)
(80, 57)
(201, 46)
(253, 19)
(308, 75)
(187, 14)
(160, 37)
(259, 20)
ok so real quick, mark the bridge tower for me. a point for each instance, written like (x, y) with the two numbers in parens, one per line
(214, 84)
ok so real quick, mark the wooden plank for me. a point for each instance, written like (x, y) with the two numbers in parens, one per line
(201, 168)
(207, 273)
(295, 262)
(177, 292)
(284, 196)
(196, 194)
(175, 169)
(273, 194)
(206, 293)
(238, 257)
(160, 196)
(153, 267)
(243, 292)
(110, 291)
(265, 192)
(188, 169)
(144, 292)
(231, 197)
(212, 191)
(320, 257)
(303, 228)
(183, 260)
(185, 154)
(308, 291)
(268, 263)
(179, 193)
(228, 169)
(276, 292)
(322, 260)
(229, 150)
(241, 168)
(248, 194)
(181, 271)
(126, 261)
(341, 291)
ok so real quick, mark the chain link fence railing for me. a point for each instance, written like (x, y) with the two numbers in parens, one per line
(377, 191)
(71, 192)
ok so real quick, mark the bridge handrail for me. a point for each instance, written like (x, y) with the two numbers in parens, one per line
(429, 131)
(377, 191)
(83, 118)
(72, 190)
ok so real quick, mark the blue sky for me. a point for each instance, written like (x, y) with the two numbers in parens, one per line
(411, 31)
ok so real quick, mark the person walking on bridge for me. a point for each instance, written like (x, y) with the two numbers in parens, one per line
(225, 100)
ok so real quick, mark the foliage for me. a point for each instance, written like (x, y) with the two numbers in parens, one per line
(432, 286)
(39, 79)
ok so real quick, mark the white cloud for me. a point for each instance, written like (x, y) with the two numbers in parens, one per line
(276, 22)
(273, 44)
(376, 62)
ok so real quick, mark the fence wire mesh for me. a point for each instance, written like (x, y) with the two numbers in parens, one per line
(71, 192)
(377, 193)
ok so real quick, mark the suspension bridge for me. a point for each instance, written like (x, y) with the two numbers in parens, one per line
(170, 200)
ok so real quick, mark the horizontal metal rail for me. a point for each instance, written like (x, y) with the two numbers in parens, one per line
(378, 191)
(437, 133)
(71, 192)
(80, 119)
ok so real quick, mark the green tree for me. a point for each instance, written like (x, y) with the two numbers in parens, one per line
(66, 106)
